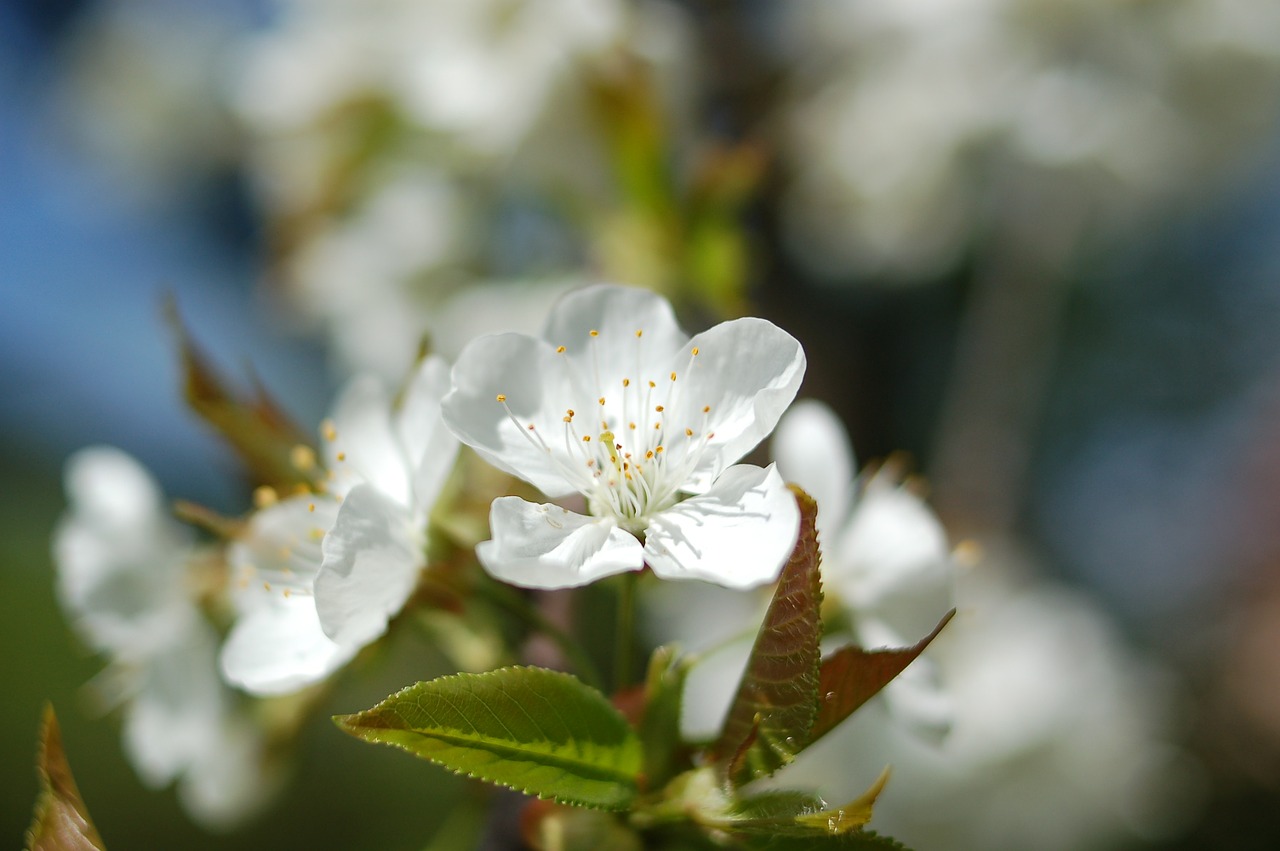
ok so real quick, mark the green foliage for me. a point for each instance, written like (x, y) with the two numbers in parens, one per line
(268, 443)
(851, 676)
(862, 840)
(537, 731)
(61, 821)
(789, 813)
(776, 702)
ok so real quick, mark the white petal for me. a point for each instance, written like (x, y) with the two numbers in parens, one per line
(892, 561)
(366, 441)
(372, 557)
(546, 546)
(738, 534)
(178, 698)
(615, 313)
(110, 487)
(746, 372)
(279, 648)
(230, 781)
(532, 378)
(812, 449)
(279, 550)
(430, 448)
(120, 558)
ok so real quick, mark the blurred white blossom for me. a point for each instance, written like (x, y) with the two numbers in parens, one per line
(1061, 739)
(139, 92)
(393, 144)
(915, 126)
(125, 578)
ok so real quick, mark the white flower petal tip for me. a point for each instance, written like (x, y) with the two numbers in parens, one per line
(546, 546)
(618, 405)
(739, 534)
(812, 449)
(372, 557)
(280, 648)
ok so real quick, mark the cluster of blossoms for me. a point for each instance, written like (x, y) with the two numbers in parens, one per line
(313, 577)
(457, 120)
(638, 430)
(961, 110)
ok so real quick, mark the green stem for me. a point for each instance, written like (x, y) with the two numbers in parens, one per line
(517, 604)
(623, 646)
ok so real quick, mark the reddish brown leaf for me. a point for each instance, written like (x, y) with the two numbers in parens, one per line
(61, 821)
(777, 697)
(851, 676)
(275, 451)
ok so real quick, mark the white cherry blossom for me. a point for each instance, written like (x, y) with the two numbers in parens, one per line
(124, 570)
(318, 576)
(617, 404)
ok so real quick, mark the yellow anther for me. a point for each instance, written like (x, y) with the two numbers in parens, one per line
(706, 409)
(328, 431)
(568, 419)
(266, 586)
(631, 426)
(342, 456)
(652, 385)
(649, 454)
(688, 432)
(659, 408)
(264, 496)
(502, 397)
(626, 382)
(673, 376)
(311, 507)
(639, 332)
(695, 350)
(586, 438)
(595, 333)
(302, 457)
(286, 593)
(601, 400)
(559, 350)
(658, 449)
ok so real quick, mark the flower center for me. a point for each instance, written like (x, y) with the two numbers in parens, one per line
(633, 442)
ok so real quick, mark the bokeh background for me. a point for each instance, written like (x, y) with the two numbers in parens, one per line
(1032, 244)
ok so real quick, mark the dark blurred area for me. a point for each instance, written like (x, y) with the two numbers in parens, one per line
(1100, 388)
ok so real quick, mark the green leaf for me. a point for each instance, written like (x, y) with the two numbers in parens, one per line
(536, 731)
(861, 840)
(275, 451)
(660, 723)
(792, 814)
(776, 703)
(789, 813)
(851, 676)
(61, 821)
